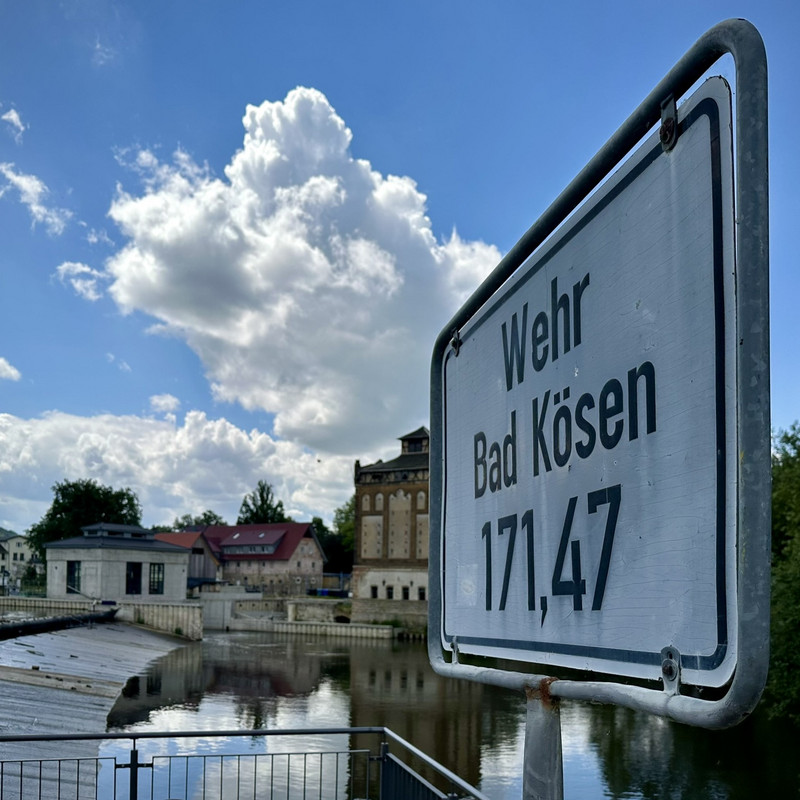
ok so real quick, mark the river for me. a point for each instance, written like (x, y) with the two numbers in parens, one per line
(243, 680)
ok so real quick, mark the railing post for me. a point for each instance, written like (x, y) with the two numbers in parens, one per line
(134, 776)
(385, 788)
(543, 770)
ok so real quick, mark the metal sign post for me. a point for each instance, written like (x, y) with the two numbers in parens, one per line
(600, 439)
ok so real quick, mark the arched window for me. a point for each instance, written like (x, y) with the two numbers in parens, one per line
(365, 502)
(379, 502)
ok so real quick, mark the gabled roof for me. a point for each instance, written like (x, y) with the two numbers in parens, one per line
(286, 534)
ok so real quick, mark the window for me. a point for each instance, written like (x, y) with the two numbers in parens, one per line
(73, 577)
(156, 579)
(373, 590)
(15, 556)
(22, 556)
(133, 577)
(405, 593)
(390, 592)
(421, 592)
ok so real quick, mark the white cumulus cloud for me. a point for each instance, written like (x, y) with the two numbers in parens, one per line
(32, 192)
(164, 403)
(8, 371)
(310, 285)
(82, 278)
(15, 123)
(203, 463)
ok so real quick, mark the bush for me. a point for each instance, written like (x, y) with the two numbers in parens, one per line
(782, 696)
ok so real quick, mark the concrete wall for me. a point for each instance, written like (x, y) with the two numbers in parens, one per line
(266, 605)
(183, 619)
(314, 628)
(390, 580)
(219, 605)
(179, 619)
(412, 614)
(317, 610)
(103, 573)
(55, 608)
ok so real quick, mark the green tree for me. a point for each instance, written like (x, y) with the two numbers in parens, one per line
(783, 687)
(208, 517)
(261, 506)
(344, 525)
(80, 503)
(785, 490)
(338, 543)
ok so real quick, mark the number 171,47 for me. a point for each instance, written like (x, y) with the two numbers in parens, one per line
(575, 584)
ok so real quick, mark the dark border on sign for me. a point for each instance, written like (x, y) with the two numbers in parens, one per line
(707, 107)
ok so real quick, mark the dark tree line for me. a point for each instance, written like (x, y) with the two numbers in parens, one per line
(783, 686)
(77, 504)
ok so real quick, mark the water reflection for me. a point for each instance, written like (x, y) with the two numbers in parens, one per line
(245, 681)
(652, 758)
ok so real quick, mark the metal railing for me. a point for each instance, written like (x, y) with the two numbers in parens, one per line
(279, 764)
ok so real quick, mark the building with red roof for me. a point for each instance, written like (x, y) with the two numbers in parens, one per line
(205, 566)
(277, 558)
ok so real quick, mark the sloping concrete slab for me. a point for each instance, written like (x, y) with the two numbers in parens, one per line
(66, 682)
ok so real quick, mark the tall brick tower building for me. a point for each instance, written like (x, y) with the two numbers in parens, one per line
(391, 533)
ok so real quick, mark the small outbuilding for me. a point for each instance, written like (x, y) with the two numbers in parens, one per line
(118, 563)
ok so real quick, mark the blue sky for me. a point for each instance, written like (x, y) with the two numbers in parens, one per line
(231, 231)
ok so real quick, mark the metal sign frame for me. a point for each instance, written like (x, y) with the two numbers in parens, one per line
(753, 471)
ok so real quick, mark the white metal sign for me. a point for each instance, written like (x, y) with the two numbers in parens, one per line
(589, 429)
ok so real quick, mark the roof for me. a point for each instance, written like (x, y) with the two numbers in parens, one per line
(181, 538)
(420, 433)
(254, 537)
(114, 543)
(406, 461)
(115, 527)
(287, 535)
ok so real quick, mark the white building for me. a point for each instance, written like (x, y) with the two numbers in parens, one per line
(16, 555)
(116, 563)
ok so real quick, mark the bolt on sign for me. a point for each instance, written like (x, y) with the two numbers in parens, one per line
(587, 431)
